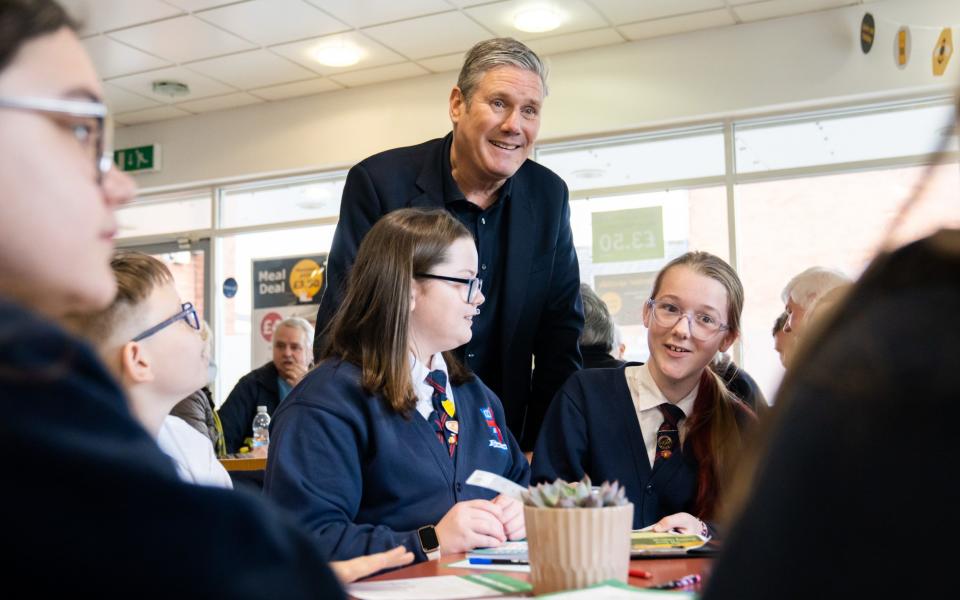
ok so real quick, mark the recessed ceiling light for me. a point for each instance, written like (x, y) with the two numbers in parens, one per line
(337, 55)
(537, 19)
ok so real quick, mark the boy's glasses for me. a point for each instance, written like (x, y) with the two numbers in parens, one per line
(188, 314)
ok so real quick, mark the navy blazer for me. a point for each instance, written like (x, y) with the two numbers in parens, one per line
(259, 387)
(592, 428)
(362, 478)
(541, 316)
(93, 503)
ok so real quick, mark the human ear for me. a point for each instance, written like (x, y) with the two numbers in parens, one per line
(135, 366)
(728, 341)
(456, 104)
(414, 293)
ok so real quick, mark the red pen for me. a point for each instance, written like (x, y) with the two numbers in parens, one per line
(641, 574)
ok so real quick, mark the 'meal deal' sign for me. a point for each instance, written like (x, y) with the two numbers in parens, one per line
(282, 288)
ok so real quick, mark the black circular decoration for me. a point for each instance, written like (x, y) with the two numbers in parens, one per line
(868, 31)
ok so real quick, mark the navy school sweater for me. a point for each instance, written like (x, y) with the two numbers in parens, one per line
(363, 478)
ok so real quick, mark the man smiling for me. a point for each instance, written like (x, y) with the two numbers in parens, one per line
(518, 213)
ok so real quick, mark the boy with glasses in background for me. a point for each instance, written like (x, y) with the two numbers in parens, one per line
(152, 344)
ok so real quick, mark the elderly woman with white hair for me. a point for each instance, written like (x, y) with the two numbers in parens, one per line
(799, 296)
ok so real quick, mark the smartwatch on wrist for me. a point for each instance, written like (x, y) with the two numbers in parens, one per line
(429, 542)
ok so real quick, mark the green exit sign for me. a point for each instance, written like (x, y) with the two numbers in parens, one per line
(141, 158)
(626, 235)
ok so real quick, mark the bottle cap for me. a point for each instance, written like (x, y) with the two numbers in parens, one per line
(261, 409)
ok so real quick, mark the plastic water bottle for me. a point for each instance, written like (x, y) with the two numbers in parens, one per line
(261, 427)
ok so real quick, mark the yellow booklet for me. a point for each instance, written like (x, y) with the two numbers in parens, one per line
(650, 542)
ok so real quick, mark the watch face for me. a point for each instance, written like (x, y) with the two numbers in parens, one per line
(428, 538)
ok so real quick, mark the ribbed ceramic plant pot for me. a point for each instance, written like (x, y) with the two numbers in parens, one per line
(572, 548)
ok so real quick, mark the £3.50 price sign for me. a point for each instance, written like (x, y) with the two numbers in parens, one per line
(625, 235)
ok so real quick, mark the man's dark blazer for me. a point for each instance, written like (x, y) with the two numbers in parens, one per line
(541, 315)
(259, 387)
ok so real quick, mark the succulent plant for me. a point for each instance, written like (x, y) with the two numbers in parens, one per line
(581, 494)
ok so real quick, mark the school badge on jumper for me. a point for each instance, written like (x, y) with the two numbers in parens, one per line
(496, 440)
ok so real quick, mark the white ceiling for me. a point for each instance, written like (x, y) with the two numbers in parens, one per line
(234, 53)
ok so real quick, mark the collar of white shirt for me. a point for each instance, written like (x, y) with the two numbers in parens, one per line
(418, 375)
(646, 398)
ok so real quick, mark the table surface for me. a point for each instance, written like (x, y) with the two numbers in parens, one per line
(244, 464)
(662, 569)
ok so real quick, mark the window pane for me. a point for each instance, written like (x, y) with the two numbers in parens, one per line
(235, 255)
(694, 219)
(311, 199)
(836, 221)
(188, 275)
(836, 139)
(160, 215)
(637, 160)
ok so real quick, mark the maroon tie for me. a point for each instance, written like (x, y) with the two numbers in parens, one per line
(668, 435)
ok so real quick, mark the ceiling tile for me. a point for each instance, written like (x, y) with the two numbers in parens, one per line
(672, 25)
(151, 114)
(782, 8)
(181, 39)
(219, 103)
(440, 64)
(293, 90)
(96, 16)
(120, 100)
(448, 32)
(372, 53)
(629, 11)
(195, 5)
(360, 13)
(575, 15)
(200, 86)
(269, 22)
(258, 68)
(111, 58)
(575, 41)
(368, 76)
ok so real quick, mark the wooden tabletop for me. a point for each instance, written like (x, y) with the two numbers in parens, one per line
(663, 570)
(244, 464)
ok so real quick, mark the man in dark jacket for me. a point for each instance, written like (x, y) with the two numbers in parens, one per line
(267, 385)
(518, 212)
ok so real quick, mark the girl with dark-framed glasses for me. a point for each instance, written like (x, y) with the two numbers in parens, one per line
(374, 446)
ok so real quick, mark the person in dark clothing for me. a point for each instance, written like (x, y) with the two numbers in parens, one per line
(94, 504)
(267, 385)
(598, 337)
(257, 388)
(739, 383)
(525, 339)
(863, 442)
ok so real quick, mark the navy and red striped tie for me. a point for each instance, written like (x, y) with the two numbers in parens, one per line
(444, 424)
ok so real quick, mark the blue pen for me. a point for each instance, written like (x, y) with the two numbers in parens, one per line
(497, 561)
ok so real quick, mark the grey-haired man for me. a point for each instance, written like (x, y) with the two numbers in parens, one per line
(518, 212)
